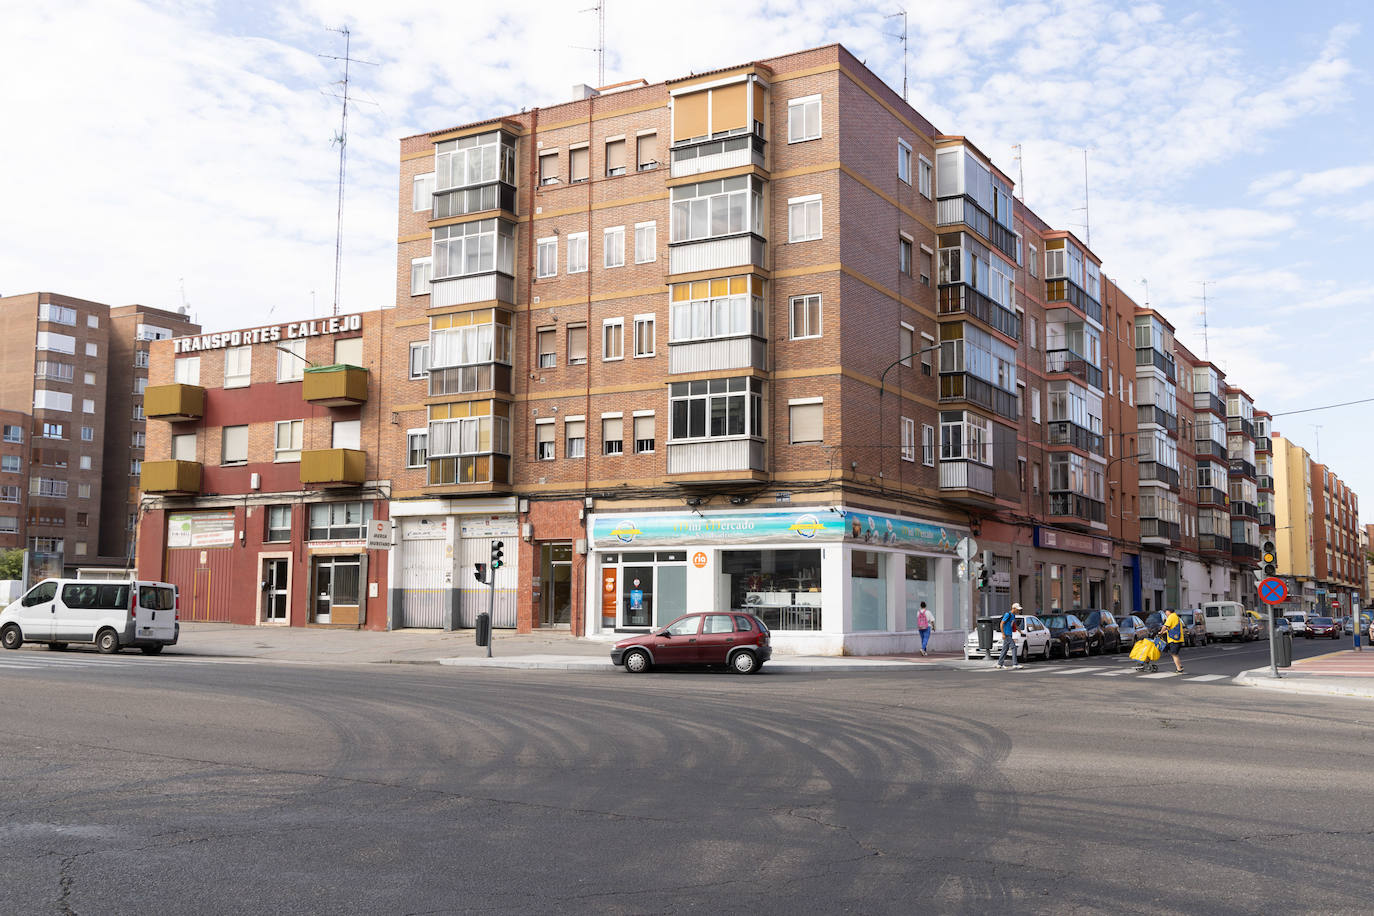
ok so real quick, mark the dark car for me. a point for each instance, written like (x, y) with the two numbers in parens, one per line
(1067, 632)
(1323, 626)
(1194, 627)
(741, 641)
(1281, 625)
(1104, 635)
(1132, 629)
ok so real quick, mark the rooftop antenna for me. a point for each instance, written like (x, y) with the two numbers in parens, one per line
(1020, 173)
(1317, 434)
(600, 49)
(341, 139)
(1205, 353)
(181, 281)
(1087, 217)
(903, 37)
(1147, 291)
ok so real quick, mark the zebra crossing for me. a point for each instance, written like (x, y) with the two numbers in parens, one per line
(1097, 671)
(32, 661)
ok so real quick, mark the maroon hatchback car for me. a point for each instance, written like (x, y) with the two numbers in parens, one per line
(741, 641)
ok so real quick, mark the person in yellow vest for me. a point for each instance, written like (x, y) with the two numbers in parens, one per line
(1173, 638)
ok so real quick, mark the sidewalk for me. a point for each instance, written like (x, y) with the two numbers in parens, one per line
(1343, 673)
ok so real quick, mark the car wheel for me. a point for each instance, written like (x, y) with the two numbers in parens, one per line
(154, 649)
(1048, 648)
(11, 638)
(744, 662)
(636, 661)
(57, 646)
(1024, 655)
(107, 641)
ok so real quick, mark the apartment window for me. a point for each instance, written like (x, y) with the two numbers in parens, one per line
(43, 399)
(908, 452)
(719, 307)
(140, 439)
(14, 433)
(928, 445)
(904, 256)
(50, 369)
(1035, 405)
(646, 242)
(57, 314)
(927, 262)
(184, 447)
(278, 524)
(140, 385)
(348, 351)
(806, 417)
(422, 192)
(347, 434)
(644, 433)
(421, 272)
(543, 440)
(338, 521)
(419, 359)
(923, 172)
(53, 431)
(1035, 478)
(9, 493)
(575, 435)
(613, 339)
(1033, 262)
(186, 370)
(647, 152)
(291, 361)
(83, 491)
(9, 464)
(577, 344)
(290, 435)
(718, 408)
(577, 164)
(926, 356)
(904, 161)
(546, 257)
(613, 246)
(54, 342)
(545, 342)
(906, 344)
(548, 168)
(234, 445)
(467, 249)
(1033, 332)
(716, 208)
(806, 316)
(577, 253)
(417, 447)
(612, 435)
(9, 524)
(804, 119)
(140, 359)
(238, 367)
(92, 350)
(615, 157)
(804, 218)
(644, 335)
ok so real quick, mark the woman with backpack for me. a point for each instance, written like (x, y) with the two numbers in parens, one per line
(923, 622)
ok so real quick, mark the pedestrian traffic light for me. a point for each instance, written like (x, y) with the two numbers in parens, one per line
(480, 572)
(496, 551)
(983, 578)
(1270, 558)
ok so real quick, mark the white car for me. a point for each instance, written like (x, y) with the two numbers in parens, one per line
(1032, 640)
(1298, 621)
(112, 613)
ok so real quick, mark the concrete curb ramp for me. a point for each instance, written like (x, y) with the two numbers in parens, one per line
(1362, 688)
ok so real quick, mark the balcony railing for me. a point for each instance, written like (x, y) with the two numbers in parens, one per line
(1149, 356)
(1240, 425)
(1212, 497)
(951, 211)
(470, 379)
(334, 467)
(1075, 364)
(1205, 400)
(174, 402)
(1264, 444)
(1245, 551)
(711, 254)
(1159, 528)
(713, 155)
(966, 475)
(1209, 448)
(716, 456)
(170, 477)
(445, 291)
(1214, 543)
(335, 386)
(462, 201)
(1153, 470)
(959, 298)
(1242, 509)
(720, 353)
(1063, 289)
(960, 386)
(1242, 468)
(1150, 413)
(1064, 432)
(1076, 505)
(1264, 482)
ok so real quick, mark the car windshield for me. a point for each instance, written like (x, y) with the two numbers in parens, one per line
(1056, 621)
(1321, 621)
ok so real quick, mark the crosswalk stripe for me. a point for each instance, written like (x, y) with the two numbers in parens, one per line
(1207, 677)
(1161, 674)
(1074, 670)
(1116, 673)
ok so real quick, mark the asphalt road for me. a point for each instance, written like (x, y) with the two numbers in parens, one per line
(137, 785)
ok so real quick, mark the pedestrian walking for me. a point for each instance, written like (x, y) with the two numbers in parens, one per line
(923, 623)
(1173, 639)
(1009, 639)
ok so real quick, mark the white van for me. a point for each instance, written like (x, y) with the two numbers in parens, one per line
(112, 614)
(1298, 621)
(1224, 620)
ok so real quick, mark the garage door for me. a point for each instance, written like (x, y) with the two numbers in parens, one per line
(475, 597)
(424, 570)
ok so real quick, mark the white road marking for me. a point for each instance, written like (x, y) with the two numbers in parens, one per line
(1074, 670)
(1116, 673)
(1208, 677)
(1162, 674)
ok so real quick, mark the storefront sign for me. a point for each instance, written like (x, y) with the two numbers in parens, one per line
(1078, 543)
(201, 529)
(350, 543)
(609, 576)
(825, 525)
(339, 324)
(424, 530)
(699, 559)
(487, 526)
(379, 534)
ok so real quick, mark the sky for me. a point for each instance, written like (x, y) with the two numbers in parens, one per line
(1229, 149)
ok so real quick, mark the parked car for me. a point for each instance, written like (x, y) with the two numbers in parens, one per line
(112, 614)
(741, 641)
(1194, 627)
(1323, 626)
(1067, 632)
(1223, 620)
(1254, 628)
(1103, 633)
(1281, 625)
(1132, 629)
(1347, 625)
(1298, 621)
(1032, 640)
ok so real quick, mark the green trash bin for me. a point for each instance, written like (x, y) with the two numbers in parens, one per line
(1283, 648)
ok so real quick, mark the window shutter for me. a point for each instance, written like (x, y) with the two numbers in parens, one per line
(544, 432)
(575, 429)
(577, 344)
(689, 116)
(648, 149)
(807, 422)
(729, 108)
(644, 428)
(615, 157)
(612, 429)
(235, 444)
(577, 164)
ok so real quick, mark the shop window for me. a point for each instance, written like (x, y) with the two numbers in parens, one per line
(868, 590)
(337, 521)
(278, 524)
(783, 587)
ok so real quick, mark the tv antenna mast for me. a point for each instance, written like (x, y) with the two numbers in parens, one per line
(1205, 354)
(1087, 218)
(903, 37)
(1317, 435)
(1020, 173)
(341, 139)
(600, 49)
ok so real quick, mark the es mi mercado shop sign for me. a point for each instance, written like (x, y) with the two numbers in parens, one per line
(800, 527)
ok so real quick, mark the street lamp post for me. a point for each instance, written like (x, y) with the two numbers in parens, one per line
(882, 390)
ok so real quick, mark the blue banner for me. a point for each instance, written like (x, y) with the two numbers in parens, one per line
(799, 527)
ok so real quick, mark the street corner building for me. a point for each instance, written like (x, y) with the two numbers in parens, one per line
(759, 338)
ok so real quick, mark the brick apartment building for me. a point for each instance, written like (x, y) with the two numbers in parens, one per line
(71, 378)
(761, 336)
(1338, 563)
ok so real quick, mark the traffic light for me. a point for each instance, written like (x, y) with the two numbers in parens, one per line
(985, 570)
(480, 572)
(496, 551)
(1270, 558)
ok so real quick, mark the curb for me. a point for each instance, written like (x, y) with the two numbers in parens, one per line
(1313, 686)
(599, 666)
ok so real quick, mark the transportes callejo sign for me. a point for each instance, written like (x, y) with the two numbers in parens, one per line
(771, 527)
(339, 324)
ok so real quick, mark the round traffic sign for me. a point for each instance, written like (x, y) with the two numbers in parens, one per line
(967, 548)
(1273, 591)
